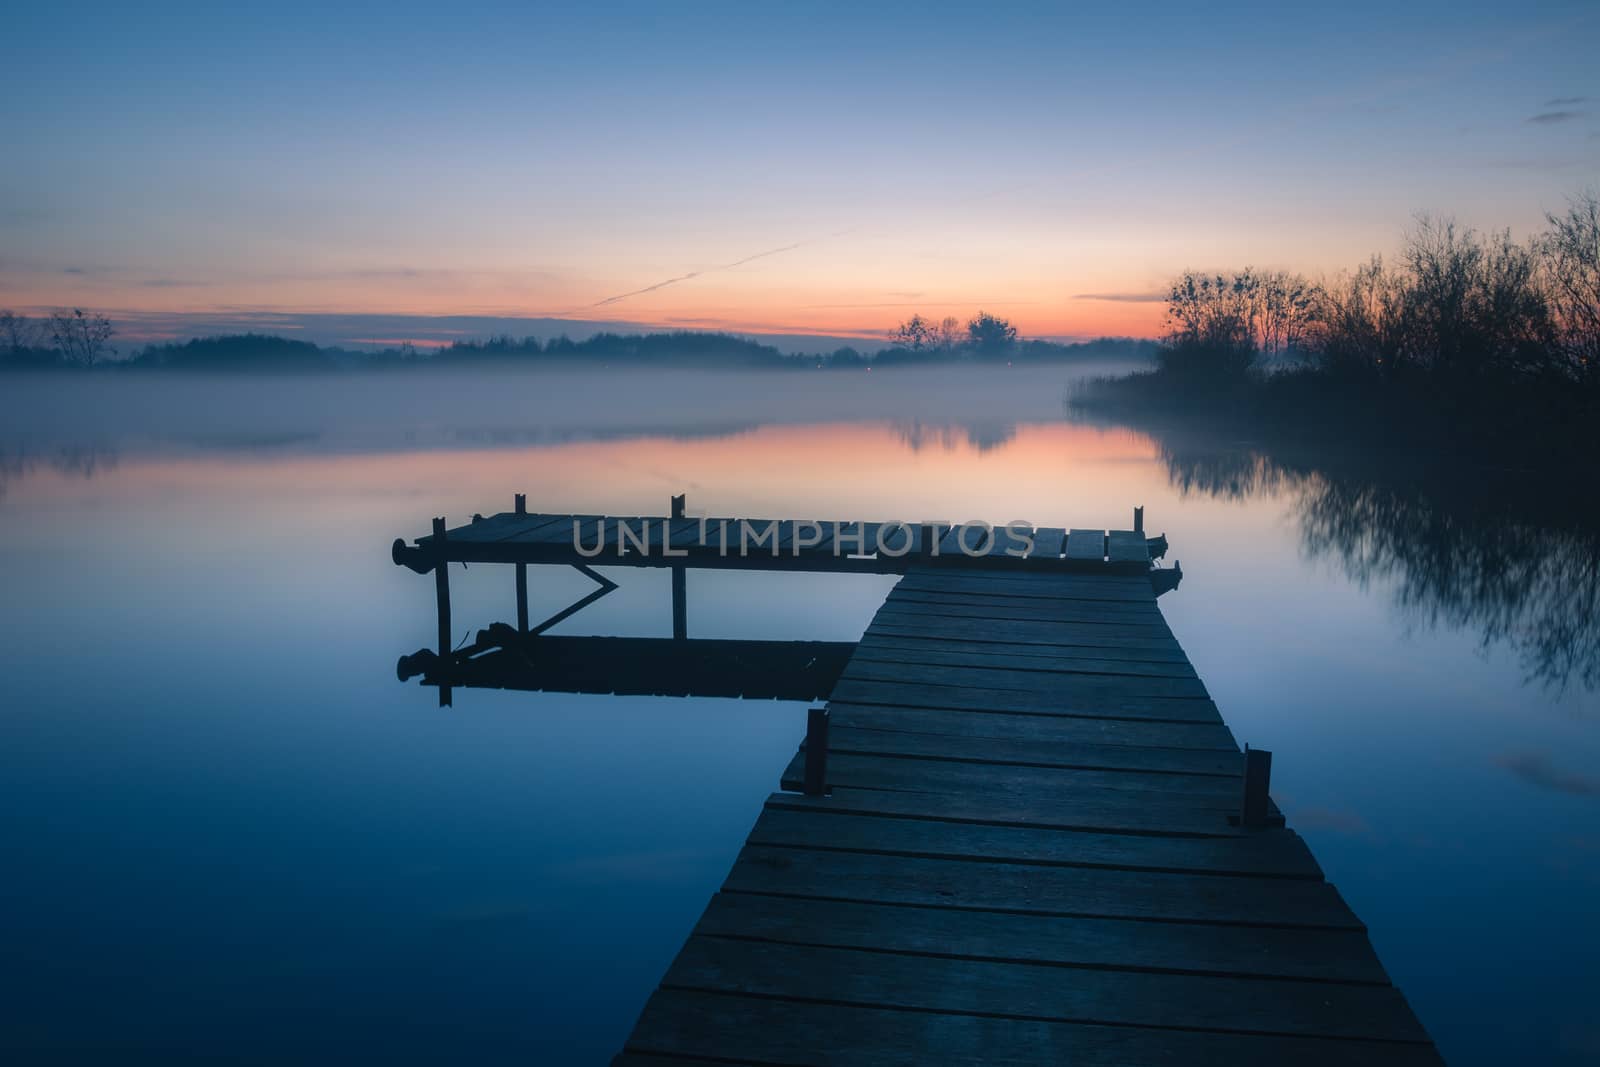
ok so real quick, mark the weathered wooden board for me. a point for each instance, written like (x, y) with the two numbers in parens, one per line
(1049, 542)
(1033, 889)
(1055, 635)
(1125, 546)
(1030, 729)
(1155, 790)
(1082, 703)
(753, 1029)
(1038, 607)
(1102, 815)
(1065, 661)
(883, 668)
(1084, 756)
(795, 822)
(1030, 991)
(1086, 545)
(1146, 621)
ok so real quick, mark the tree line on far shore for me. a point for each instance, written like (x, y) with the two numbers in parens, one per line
(80, 340)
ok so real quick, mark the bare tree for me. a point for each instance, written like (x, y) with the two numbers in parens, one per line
(1572, 262)
(948, 334)
(80, 338)
(18, 333)
(916, 333)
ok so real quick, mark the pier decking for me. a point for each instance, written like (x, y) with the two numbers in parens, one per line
(1036, 845)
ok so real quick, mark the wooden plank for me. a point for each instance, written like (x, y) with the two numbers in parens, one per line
(1056, 635)
(492, 528)
(1085, 704)
(560, 531)
(934, 643)
(1066, 660)
(1059, 611)
(1062, 754)
(1049, 542)
(1022, 990)
(749, 1029)
(1032, 583)
(1126, 546)
(1041, 607)
(1031, 889)
(1158, 792)
(1048, 812)
(1035, 728)
(890, 668)
(1086, 545)
(1273, 853)
(957, 568)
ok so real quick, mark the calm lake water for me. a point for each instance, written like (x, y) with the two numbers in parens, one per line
(231, 834)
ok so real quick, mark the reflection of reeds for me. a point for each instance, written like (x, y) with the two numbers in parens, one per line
(982, 436)
(83, 460)
(1497, 552)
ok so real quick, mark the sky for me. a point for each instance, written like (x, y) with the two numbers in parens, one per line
(757, 168)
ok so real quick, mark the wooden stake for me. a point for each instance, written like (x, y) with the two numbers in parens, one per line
(816, 783)
(1257, 779)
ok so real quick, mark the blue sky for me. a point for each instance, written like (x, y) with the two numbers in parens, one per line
(534, 160)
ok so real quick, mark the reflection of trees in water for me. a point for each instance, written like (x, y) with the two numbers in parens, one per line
(983, 436)
(84, 461)
(1499, 552)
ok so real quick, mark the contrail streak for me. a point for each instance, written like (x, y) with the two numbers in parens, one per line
(696, 273)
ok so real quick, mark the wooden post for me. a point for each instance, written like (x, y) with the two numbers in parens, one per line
(816, 783)
(680, 602)
(1138, 520)
(1257, 778)
(519, 504)
(930, 538)
(680, 596)
(522, 598)
(441, 588)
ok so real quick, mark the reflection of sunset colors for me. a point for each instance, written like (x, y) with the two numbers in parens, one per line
(684, 170)
(1044, 474)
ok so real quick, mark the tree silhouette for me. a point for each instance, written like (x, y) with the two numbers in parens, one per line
(80, 338)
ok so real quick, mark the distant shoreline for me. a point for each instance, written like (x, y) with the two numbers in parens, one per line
(689, 350)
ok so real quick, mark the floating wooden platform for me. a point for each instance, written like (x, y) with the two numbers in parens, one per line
(776, 544)
(1020, 833)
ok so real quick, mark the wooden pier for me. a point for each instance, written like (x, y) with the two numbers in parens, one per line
(1019, 832)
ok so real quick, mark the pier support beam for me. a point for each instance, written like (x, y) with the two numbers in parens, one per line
(1138, 520)
(520, 504)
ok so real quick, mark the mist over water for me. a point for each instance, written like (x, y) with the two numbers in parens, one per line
(223, 815)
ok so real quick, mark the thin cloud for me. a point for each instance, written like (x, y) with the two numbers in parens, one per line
(1545, 118)
(1566, 101)
(1536, 769)
(1123, 298)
